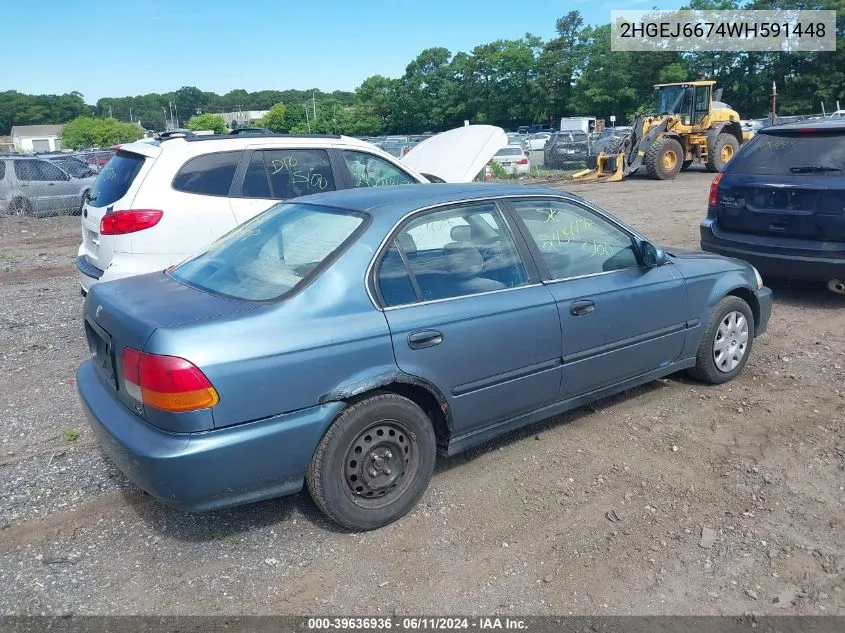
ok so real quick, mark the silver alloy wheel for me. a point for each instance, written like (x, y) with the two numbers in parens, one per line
(731, 341)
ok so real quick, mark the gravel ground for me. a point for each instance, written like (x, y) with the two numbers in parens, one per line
(674, 498)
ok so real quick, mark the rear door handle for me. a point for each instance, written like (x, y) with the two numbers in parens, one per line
(579, 308)
(424, 338)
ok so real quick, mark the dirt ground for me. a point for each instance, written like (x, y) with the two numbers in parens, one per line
(674, 498)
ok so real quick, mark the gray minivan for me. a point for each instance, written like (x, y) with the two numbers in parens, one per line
(37, 187)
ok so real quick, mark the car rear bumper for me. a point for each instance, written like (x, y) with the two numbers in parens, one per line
(775, 256)
(210, 470)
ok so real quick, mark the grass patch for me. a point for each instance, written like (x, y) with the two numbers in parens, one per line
(71, 435)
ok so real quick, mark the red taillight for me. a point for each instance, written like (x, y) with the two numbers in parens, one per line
(122, 222)
(166, 382)
(713, 200)
(522, 161)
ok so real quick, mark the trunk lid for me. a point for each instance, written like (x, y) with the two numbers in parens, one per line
(457, 155)
(125, 313)
(114, 190)
(788, 182)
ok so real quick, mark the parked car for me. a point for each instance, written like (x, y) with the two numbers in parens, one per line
(97, 159)
(250, 130)
(75, 166)
(523, 130)
(37, 187)
(157, 203)
(779, 203)
(514, 159)
(538, 141)
(357, 332)
(568, 149)
(514, 138)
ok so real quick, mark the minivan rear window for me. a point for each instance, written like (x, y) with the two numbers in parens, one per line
(115, 179)
(792, 153)
(509, 151)
(273, 254)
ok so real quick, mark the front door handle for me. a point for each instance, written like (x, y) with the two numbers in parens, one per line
(424, 338)
(582, 307)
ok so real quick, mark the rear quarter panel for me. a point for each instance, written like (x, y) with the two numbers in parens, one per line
(286, 356)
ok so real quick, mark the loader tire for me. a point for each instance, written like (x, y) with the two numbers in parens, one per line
(663, 159)
(723, 150)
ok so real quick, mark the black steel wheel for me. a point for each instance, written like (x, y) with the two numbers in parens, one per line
(373, 463)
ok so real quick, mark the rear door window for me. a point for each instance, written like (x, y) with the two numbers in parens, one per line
(297, 172)
(209, 175)
(115, 178)
(38, 171)
(787, 154)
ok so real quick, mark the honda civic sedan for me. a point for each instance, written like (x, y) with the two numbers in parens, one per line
(342, 340)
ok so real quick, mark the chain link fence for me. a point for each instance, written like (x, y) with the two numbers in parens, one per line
(47, 185)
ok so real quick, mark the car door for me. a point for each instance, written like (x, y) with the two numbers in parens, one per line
(619, 319)
(60, 193)
(271, 175)
(467, 315)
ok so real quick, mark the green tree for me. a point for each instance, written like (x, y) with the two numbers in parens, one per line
(208, 121)
(275, 120)
(87, 131)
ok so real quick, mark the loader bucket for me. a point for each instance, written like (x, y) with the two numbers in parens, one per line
(609, 168)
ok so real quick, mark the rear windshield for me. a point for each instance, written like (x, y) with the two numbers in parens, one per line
(115, 178)
(780, 154)
(509, 151)
(273, 253)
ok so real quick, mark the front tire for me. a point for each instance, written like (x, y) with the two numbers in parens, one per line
(726, 343)
(373, 463)
(724, 149)
(663, 160)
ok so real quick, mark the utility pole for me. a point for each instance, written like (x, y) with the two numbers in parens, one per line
(314, 101)
(111, 114)
(170, 105)
(164, 113)
(307, 120)
(774, 102)
(130, 116)
(177, 114)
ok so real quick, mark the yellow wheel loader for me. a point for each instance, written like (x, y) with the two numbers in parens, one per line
(693, 125)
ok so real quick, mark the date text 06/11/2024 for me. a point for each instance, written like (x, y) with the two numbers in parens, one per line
(416, 624)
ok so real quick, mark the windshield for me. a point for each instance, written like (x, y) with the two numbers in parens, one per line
(671, 100)
(272, 254)
(774, 154)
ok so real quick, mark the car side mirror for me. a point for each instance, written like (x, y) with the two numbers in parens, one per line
(653, 256)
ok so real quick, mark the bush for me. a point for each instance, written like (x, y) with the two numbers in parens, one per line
(202, 122)
(85, 131)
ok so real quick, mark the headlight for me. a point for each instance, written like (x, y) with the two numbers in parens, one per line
(759, 278)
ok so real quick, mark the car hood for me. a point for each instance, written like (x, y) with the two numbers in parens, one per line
(690, 253)
(457, 155)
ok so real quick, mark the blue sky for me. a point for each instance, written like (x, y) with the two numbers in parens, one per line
(131, 47)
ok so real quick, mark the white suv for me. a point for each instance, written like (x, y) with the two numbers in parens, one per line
(155, 204)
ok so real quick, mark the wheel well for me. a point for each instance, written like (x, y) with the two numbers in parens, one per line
(423, 398)
(751, 299)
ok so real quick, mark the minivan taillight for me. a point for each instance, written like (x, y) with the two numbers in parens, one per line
(168, 383)
(132, 221)
(713, 200)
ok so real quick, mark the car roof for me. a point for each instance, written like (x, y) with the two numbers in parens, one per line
(396, 202)
(214, 143)
(833, 125)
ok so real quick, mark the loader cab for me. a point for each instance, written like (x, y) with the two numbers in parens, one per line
(691, 101)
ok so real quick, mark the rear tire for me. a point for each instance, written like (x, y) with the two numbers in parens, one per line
(81, 203)
(726, 343)
(373, 463)
(663, 160)
(724, 149)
